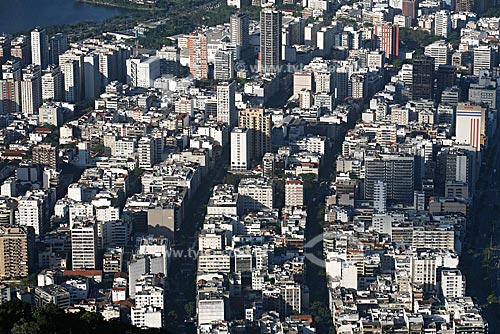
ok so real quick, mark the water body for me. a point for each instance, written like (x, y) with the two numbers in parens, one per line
(19, 15)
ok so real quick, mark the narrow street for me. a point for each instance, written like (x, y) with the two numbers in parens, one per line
(480, 256)
(315, 275)
(182, 281)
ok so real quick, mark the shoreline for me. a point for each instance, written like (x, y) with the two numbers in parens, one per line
(110, 3)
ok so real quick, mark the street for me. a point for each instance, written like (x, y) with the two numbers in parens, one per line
(481, 256)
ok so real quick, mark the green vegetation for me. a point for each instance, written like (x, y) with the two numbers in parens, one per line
(190, 309)
(322, 315)
(235, 179)
(99, 149)
(67, 146)
(31, 280)
(53, 137)
(176, 10)
(83, 107)
(172, 315)
(286, 6)
(253, 12)
(310, 19)
(127, 4)
(310, 185)
(17, 317)
(348, 21)
(279, 193)
(415, 39)
(491, 12)
(289, 7)
(396, 63)
(138, 171)
(454, 38)
(492, 298)
(184, 21)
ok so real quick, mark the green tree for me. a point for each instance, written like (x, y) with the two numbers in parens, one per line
(48, 318)
(172, 315)
(25, 327)
(189, 308)
(99, 149)
(91, 317)
(138, 171)
(415, 39)
(397, 63)
(17, 317)
(12, 312)
(309, 177)
(492, 298)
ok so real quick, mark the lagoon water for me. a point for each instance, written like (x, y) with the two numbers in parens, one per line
(19, 15)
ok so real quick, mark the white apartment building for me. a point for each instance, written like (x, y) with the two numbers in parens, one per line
(291, 295)
(107, 213)
(214, 262)
(305, 99)
(214, 240)
(146, 295)
(52, 84)
(226, 105)
(147, 317)
(79, 210)
(470, 123)
(119, 289)
(256, 194)
(50, 114)
(224, 201)
(31, 90)
(157, 247)
(442, 23)
(483, 58)
(452, 283)
(323, 82)
(72, 80)
(146, 153)
(30, 213)
(440, 51)
(379, 196)
(223, 65)
(210, 306)
(124, 147)
(423, 271)
(313, 144)
(39, 47)
(84, 245)
(302, 80)
(240, 149)
(78, 289)
(143, 72)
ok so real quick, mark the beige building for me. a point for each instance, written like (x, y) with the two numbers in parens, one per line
(46, 155)
(258, 123)
(294, 192)
(16, 251)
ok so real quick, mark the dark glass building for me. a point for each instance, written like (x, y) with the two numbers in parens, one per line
(423, 78)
